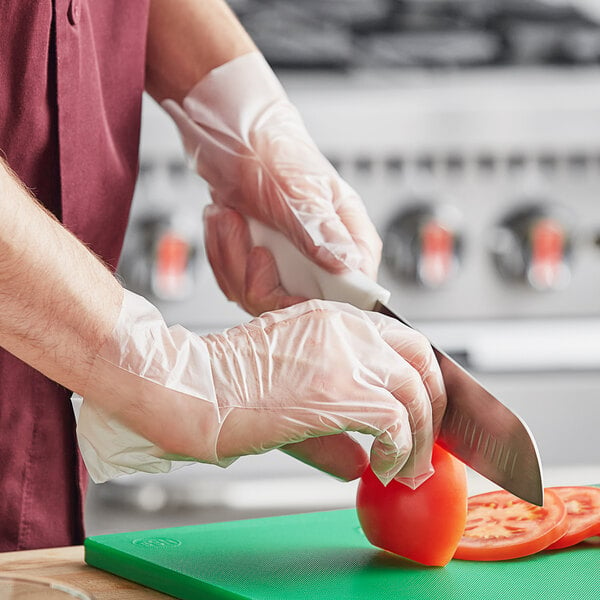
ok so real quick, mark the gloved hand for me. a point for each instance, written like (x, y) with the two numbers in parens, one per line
(159, 394)
(249, 143)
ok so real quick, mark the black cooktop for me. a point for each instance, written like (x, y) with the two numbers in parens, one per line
(354, 34)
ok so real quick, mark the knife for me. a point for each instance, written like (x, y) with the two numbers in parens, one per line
(476, 428)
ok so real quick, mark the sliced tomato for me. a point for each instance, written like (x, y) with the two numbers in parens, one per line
(424, 525)
(583, 514)
(501, 526)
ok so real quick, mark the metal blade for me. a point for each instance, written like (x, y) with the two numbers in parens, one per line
(483, 433)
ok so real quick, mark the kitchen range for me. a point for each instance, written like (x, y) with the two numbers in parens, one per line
(472, 132)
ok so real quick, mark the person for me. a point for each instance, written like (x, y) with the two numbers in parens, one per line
(298, 377)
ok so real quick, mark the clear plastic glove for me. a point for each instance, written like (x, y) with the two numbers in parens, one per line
(296, 379)
(249, 143)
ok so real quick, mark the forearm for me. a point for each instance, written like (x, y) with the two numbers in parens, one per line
(58, 302)
(186, 40)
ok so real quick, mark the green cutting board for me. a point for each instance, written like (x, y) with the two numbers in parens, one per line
(325, 555)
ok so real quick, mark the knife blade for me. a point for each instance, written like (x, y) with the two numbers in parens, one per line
(477, 428)
(483, 433)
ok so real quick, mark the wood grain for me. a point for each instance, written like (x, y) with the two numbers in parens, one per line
(66, 566)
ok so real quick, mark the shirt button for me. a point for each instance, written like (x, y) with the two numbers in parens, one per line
(74, 12)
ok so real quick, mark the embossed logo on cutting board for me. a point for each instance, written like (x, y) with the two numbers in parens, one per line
(157, 542)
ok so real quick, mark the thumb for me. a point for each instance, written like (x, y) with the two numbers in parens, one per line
(338, 454)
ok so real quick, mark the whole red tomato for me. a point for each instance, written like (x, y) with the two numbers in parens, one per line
(424, 525)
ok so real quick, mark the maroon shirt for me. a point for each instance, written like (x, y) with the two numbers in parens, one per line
(71, 80)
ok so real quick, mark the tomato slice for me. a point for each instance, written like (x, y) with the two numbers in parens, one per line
(583, 514)
(500, 526)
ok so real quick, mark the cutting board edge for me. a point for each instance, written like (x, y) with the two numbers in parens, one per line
(187, 589)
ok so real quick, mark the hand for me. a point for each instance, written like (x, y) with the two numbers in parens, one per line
(297, 379)
(249, 143)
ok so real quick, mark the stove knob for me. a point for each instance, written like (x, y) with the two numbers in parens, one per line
(422, 244)
(534, 245)
(171, 275)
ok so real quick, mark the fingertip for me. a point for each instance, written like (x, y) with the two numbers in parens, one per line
(388, 457)
(414, 481)
(211, 211)
(330, 245)
(216, 214)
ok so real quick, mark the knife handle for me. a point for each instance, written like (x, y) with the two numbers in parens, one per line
(302, 277)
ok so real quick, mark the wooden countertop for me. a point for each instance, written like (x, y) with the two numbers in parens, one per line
(66, 566)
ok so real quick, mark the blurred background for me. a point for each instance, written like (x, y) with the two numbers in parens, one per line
(471, 129)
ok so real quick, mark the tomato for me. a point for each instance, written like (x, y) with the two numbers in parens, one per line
(424, 525)
(500, 526)
(583, 514)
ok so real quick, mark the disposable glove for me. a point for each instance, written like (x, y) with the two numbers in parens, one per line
(249, 143)
(159, 394)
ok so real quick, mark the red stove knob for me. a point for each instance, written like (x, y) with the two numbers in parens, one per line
(534, 245)
(435, 262)
(547, 269)
(423, 244)
(171, 277)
